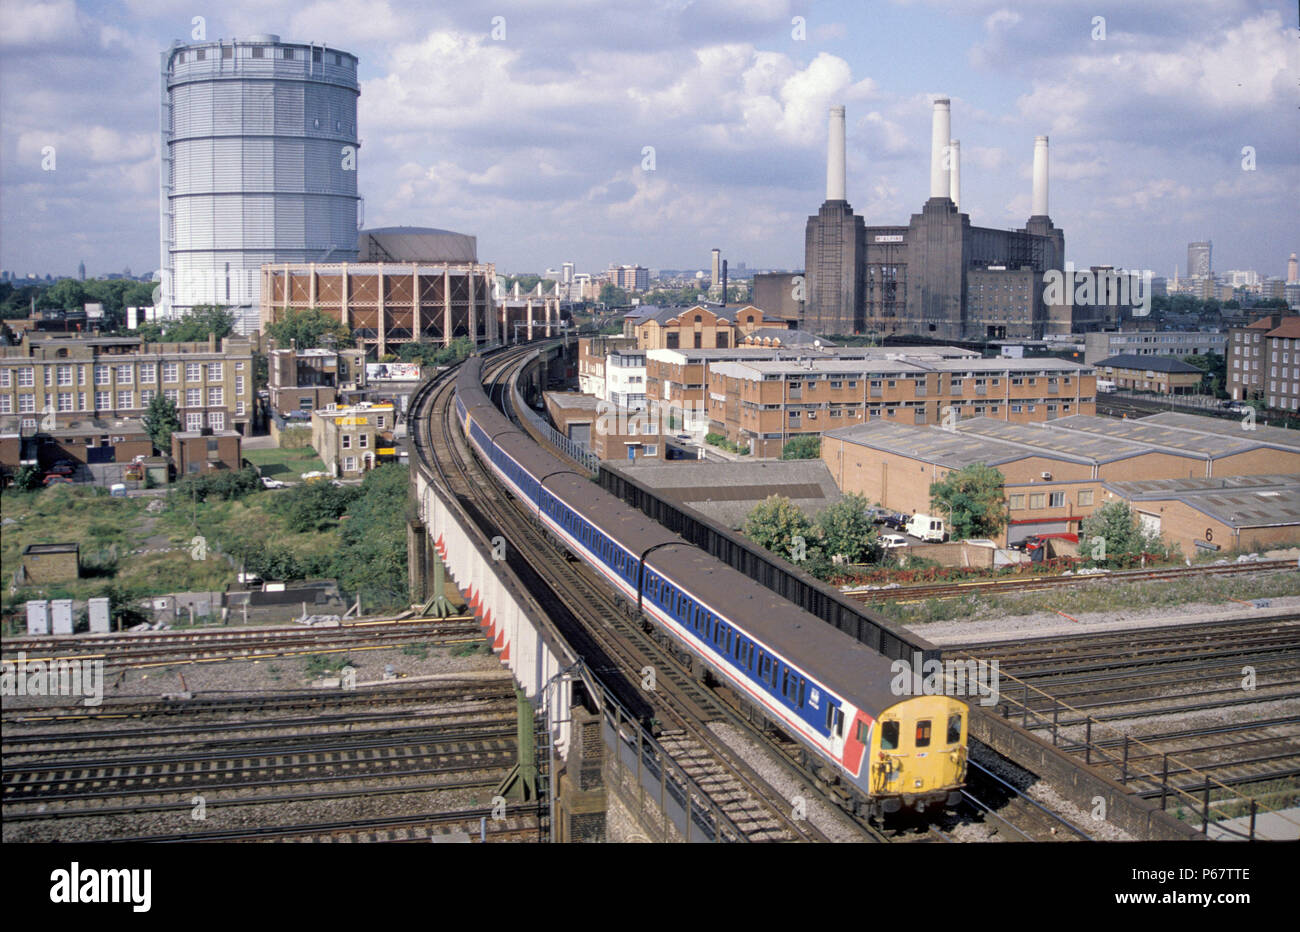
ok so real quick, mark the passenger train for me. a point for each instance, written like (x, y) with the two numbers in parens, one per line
(822, 687)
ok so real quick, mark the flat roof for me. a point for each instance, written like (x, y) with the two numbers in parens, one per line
(1036, 438)
(1226, 427)
(758, 368)
(728, 492)
(947, 448)
(573, 401)
(51, 548)
(1158, 436)
(1237, 501)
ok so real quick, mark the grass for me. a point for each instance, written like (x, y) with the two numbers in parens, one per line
(322, 664)
(287, 465)
(1100, 597)
(470, 649)
(418, 651)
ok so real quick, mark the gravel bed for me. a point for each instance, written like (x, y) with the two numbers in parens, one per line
(826, 817)
(1049, 624)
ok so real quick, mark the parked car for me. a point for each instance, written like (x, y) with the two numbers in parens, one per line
(892, 541)
(877, 515)
(896, 520)
(62, 468)
(269, 483)
(118, 490)
(57, 480)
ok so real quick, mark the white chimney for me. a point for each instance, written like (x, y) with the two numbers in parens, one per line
(939, 136)
(954, 171)
(1040, 177)
(835, 183)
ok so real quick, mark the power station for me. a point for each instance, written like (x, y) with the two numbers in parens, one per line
(259, 165)
(938, 276)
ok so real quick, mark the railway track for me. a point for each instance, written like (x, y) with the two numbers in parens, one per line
(1031, 583)
(1198, 713)
(616, 647)
(187, 647)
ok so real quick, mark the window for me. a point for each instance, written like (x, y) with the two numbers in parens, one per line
(215, 397)
(1057, 499)
(146, 396)
(239, 385)
(954, 728)
(227, 51)
(81, 401)
(171, 395)
(923, 733)
(65, 375)
(1037, 500)
(363, 440)
(65, 401)
(288, 54)
(214, 372)
(101, 375)
(102, 401)
(1017, 502)
(125, 374)
(194, 421)
(888, 736)
(217, 420)
(5, 378)
(193, 397)
(6, 404)
(1085, 498)
(193, 372)
(345, 441)
(148, 373)
(170, 370)
(258, 51)
(124, 400)
(239, 408)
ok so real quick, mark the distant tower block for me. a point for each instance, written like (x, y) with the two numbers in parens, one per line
(835, 171)
(715, 269)
(940, 127)
(1039, 208)
(1292, 270)
(954, 172)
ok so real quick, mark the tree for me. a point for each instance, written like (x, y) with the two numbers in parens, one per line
(314, 506)
(196, 326)
(612, 295)
(27, 479)
(1215, 367)
(1113, 532)
(306, 329)
(846, 528)
(806, 447)
(776, 524)
(161, 419)
(972, 500)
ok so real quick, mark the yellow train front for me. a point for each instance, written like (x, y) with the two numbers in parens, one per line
(915, 755)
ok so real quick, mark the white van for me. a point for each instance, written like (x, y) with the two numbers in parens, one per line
(926, 527)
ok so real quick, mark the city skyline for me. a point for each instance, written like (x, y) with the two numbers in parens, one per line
(731, 99)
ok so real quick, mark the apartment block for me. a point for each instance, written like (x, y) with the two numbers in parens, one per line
(1180, 344)
(1264, 362)
(763, 405)
(60, 380)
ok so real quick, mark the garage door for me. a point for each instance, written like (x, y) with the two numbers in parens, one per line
(1150, 523)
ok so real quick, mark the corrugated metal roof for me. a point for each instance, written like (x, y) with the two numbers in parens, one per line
(1226, 427)
(1237, 501)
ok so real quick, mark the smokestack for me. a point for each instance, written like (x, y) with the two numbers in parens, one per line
(1040, 177)
(954, 171)
(939, 136)
(715, 269)
(724, 281)
(835, 183)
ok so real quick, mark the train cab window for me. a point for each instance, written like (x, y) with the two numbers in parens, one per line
(954, 728)
(923, 733)
(889, 736)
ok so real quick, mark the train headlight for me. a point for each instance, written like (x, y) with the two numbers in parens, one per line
(916, 782)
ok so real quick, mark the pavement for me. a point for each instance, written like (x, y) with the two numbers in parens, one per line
(1269, 826)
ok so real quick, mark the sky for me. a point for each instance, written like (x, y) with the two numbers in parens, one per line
(1170, 121)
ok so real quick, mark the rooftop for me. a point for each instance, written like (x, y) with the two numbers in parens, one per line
(1237, 501)
(1153, 363)
(947, 448)
(1226, 427)
(1158, 436)
(51, 548)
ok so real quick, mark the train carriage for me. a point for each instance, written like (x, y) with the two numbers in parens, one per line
(831, 693)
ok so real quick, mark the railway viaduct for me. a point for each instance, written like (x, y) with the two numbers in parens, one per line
(585, 760)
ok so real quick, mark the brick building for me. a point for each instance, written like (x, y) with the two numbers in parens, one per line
(51, 563)
(305, 380)
(762, 405)
(1161, 374)
(1056, 472)
(348, 438)
(697, 327)
(1264, 362)
(73, 379)
(195, 452)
